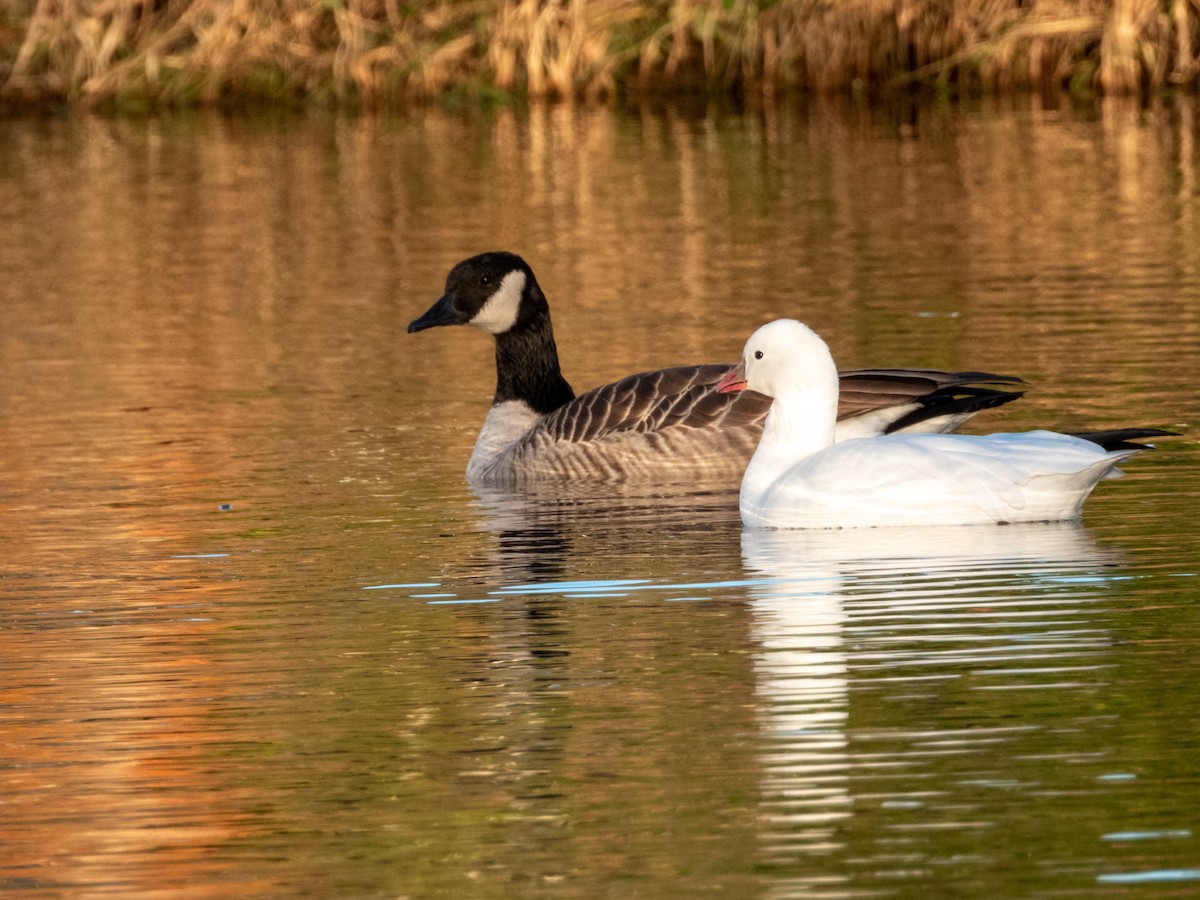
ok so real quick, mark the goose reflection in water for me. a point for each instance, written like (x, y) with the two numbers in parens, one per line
(540, 529)
(836, 613)
(882, 666)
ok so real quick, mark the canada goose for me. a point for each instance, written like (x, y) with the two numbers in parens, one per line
(800, 476)
(669, 424)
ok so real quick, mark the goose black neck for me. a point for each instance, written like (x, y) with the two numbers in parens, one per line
(527, 367)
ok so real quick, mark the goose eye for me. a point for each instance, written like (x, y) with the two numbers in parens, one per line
(758, 354)
(485, 280)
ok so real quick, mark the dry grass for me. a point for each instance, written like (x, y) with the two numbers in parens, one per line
(374, 52)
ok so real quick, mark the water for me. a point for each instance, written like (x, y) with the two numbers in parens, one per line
(260, 639)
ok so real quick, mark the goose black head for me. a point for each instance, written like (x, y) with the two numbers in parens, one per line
(495, 292)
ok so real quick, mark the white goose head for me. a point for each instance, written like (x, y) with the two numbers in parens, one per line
(789, 363)
(495, 292)
(785, 356)
(781, 359)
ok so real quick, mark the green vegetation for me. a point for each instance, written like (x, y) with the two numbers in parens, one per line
(380, 52)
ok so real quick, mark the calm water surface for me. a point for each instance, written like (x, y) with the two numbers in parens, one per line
(260, 639)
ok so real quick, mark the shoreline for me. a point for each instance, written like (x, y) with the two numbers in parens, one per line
(359, 54)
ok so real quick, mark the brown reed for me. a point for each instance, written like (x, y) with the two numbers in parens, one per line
(377, 52)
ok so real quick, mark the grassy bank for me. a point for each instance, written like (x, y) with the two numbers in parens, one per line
(379, 52)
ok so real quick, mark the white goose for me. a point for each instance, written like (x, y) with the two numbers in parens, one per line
(664, 425)
(800, 478)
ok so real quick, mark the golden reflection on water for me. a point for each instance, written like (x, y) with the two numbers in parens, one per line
(202, 350)
(108, 779)
(931, 238)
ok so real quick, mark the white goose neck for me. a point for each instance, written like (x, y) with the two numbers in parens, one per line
(792, 431)
(802, 423)
(802, 419)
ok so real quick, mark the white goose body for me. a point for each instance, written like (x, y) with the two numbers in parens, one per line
(928, 479)
(799, 477)
(669, 424)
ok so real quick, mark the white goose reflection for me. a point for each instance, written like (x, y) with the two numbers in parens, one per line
(832, 607)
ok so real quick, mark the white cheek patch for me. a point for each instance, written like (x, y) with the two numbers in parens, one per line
(499, 314)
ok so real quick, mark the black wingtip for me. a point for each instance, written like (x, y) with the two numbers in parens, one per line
(954, 401)
(1124, 438)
